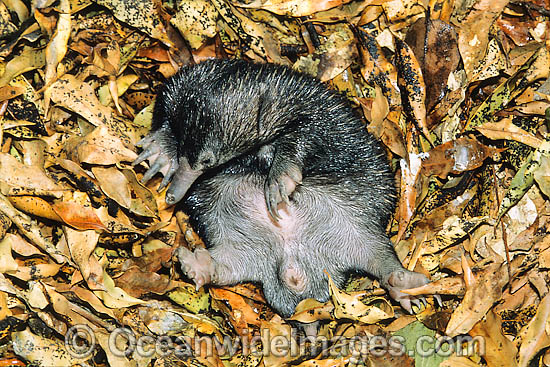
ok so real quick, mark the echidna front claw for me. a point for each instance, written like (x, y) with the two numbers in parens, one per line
(169, 174)
(161, 155)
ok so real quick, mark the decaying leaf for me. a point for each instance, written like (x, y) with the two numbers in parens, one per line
(30, 59)
(19, 179)
(80, 98)
(524, 178)
(503, 94)
(115, 297)
(454, 229)
(196, 21)
(142, 15)
(412, 82)
(474, 32)
(352, 306)
(41, 350)
(435, 45)
(462, 154)
(333, 57)
(57, 47)
(536, 336)
(29, 229)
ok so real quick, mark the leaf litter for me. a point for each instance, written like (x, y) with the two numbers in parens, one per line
(457, 91)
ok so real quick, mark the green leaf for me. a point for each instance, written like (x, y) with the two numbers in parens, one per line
(524, 178)
(501, 96)
(422, 345)
(190, 299)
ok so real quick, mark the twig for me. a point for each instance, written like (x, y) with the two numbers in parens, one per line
(504, 236)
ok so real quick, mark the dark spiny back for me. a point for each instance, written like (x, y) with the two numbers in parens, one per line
(239, 105)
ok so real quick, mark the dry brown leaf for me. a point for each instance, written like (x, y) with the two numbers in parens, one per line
(473, 35)
(377, 69)
(390, 133)
(246, 315)
(331, 58)
(499, 350)
(138, 282)
(196, 21)
(279, 341)
(29, 59)
(311, 310)
(505, 129)
(29, 229)
(122, 224)
(142, 15)
(32, 270)
(380, 107)
(256, 35)
(106, 60)
(294, 8)
(19, 179)
(79, 97)
(533, 108)
(7, 263)
(88, 296)
(144, 203)
(202, 324)
(115, 297)
(82, 245)
(453, 230)
(482, 291)
(455, 361)
(536, 336)
(8, 92)
(5, 312)
(20, 246)
(114, 184)
(435, 45)
(115, 358)
(540, 68)
(57, 47)
(164, 321)
(98, 147)
(401, 13)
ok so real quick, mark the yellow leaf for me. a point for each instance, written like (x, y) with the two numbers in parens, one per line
(115, 297)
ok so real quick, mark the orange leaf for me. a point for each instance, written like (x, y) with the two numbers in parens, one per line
(78, 216)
